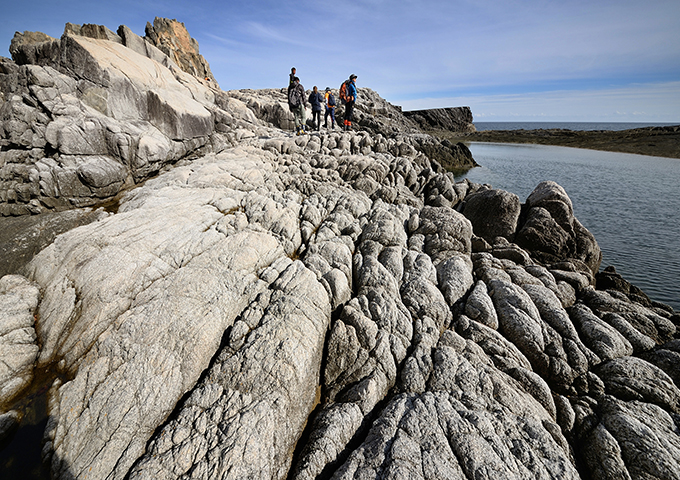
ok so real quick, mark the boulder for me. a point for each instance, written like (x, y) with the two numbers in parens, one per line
(493, 213)
(551, 231)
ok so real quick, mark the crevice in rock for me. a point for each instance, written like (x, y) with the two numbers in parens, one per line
(179, 406)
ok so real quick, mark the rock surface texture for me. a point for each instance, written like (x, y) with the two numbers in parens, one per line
(331, 305)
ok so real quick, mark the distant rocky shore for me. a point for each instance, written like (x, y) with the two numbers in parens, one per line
(654, 141)
(193, 291)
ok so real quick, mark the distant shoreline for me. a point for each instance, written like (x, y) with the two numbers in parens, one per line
(652, 141)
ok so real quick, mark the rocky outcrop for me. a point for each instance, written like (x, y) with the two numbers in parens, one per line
(332, 305)
(171, 38)
(453, 119)
(94, 113)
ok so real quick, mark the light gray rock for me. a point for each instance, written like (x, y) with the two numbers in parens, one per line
(631, 378)
(598, 335)
(244, 418)
(446, 233)
(455, 277)
(622, 443)
(658, 328)
(280, 306)
(479, 306)
(18, 346)
(520, 321)
(449, 433)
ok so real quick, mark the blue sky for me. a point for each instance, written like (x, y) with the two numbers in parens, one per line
(567, 60)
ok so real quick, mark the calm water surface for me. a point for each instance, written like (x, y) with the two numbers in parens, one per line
(631, 203)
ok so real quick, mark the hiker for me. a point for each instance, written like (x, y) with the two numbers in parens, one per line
(329, 99)
(291, 76)
(316, 100)
(350, 97)
(296, 103)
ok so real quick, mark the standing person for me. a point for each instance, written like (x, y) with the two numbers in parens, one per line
(330, 108)
(316, 100)
(350, 99)
(291, 76)
(296, 103)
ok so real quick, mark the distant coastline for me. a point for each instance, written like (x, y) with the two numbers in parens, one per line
(577, 126)
(656, 140)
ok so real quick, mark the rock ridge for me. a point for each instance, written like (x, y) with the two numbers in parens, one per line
(331, 305)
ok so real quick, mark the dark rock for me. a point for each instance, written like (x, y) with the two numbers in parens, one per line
(493, 213)
(21, 238)
(454, 119)
(551, 230)
(33, 48)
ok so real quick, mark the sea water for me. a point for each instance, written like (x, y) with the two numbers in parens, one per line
(611, 126)
(630, 203)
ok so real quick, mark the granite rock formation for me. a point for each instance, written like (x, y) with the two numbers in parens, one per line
(332, 305)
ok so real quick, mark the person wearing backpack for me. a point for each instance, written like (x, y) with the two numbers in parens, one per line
(330, 108)
(316, 100)
(349, 97)
(296, 103)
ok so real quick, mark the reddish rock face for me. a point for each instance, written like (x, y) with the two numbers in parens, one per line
(173, 39)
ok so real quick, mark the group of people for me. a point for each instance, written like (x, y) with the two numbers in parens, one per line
(297, 103)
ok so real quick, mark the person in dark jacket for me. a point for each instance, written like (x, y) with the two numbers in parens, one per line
(296, 103)
(316, 100)
(351, 100)
(291, 77)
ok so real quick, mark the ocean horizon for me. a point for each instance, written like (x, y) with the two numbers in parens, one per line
(577, 126)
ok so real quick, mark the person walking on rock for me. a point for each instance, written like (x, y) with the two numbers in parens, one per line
(316, 100)
(330, 108)
(296, 103)
(350, 100)
(291, 77)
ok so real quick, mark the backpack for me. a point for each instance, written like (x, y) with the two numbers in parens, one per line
(344, 92)
(293, 97)
(331, 100)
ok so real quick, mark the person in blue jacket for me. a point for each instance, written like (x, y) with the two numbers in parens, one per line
(316, 101)
(351, 100)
